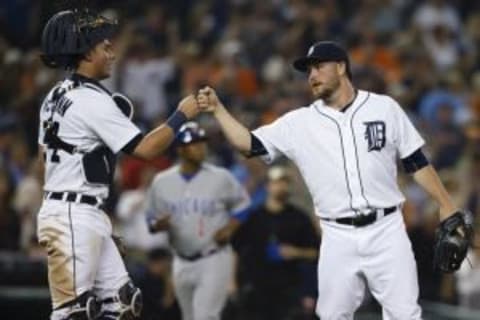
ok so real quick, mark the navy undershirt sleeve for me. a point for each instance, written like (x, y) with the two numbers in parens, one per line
(257, 148)
(415, 161)
(132, 144)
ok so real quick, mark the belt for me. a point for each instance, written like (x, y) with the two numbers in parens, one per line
(199, 255)
(75, 197)
(364, 219)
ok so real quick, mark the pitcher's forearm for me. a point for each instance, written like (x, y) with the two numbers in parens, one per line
(237, 134)
(428, 179)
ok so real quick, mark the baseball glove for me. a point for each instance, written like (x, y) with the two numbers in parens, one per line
(452, 240)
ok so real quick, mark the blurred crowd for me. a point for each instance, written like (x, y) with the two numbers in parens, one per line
(425, 54)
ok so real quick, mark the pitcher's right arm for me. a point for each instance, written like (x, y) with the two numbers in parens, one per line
(237, 134)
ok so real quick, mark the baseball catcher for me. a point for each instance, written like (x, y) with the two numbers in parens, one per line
(83, 126)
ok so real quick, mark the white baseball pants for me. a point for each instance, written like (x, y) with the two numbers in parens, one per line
(81, 253)
(378, 257)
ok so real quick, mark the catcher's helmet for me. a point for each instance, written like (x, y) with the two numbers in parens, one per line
(70, 34)
(190, 132)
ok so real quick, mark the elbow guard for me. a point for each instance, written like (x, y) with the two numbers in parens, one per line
(415, 161)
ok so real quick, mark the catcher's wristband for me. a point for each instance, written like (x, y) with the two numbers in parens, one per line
(176, 120)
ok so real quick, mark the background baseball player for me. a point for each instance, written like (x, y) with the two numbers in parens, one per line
(345, 145)
(201, 206)
(82, 127)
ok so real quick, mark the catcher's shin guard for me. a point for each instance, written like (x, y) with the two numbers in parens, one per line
(125, 305)
(85, 307)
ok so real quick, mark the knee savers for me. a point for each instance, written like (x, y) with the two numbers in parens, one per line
(85, 307)
(126, 305)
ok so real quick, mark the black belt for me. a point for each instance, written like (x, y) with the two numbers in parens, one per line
(74, 197)
(363, 219)
(199, 255)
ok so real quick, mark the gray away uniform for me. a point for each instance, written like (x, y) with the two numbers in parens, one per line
(198, 208)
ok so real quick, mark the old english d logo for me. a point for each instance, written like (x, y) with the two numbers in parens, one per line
(375, 135)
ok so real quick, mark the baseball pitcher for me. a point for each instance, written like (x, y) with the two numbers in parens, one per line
(346, 144)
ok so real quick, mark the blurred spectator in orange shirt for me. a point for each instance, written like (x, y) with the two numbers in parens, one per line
(369, 51)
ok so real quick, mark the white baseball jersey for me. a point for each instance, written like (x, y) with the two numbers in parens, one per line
(348, 159)
(198, 207)
(87, 117)
(81, 254)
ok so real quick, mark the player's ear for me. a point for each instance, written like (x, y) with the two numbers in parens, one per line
(88, 56)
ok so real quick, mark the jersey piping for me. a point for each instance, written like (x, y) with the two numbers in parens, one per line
(343, 155)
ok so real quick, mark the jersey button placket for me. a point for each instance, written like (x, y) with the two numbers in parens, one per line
(346, 136)
(350, 156)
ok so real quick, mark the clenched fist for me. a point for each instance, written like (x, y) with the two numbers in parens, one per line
(189, 106)
(207, 100)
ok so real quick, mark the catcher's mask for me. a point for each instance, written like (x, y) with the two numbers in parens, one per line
(69, 35)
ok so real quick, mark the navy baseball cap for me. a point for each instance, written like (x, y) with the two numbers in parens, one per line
(190, 132)
(320, 52)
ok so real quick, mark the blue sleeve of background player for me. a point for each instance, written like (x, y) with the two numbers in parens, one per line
(150, 211)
